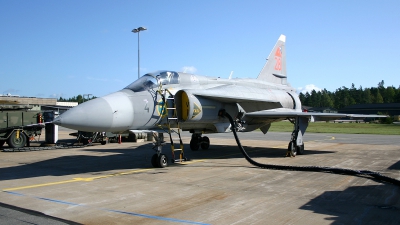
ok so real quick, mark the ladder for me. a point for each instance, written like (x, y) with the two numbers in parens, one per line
(173, 126)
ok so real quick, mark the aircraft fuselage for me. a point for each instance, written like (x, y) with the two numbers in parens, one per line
(196, 99)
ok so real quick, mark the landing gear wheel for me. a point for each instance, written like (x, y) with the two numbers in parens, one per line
(84, 141)
(154, 160)
(300, 149)
(194, 144)
(291, 149)
(162, 161)
(205, 143)
(17, 142)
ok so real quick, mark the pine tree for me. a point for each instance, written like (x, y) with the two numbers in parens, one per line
(389, 95)
(378, 98)
(302, 97)
(326, 100)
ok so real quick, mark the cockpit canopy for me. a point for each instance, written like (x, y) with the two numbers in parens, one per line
(153, 80)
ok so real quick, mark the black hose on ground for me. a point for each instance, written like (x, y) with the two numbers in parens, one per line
(364, 173)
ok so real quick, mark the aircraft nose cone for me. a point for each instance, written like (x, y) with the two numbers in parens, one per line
(113, 112)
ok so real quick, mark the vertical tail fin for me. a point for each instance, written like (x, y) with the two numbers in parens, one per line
(274, 70)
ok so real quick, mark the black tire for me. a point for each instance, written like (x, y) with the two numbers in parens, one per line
(154, 161)
(292, 149)
(194, 144)
(15, 142)
(205, 143)
(103, 142)
(300, 149)
(112, 140)
(163, 161)
(84, 141)
(2, 143)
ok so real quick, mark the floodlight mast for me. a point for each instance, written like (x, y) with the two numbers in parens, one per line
(137, 30)
(88, 97)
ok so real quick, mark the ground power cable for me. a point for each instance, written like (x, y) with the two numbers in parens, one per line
(363, 173)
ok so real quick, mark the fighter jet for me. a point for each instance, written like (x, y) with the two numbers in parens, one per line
(171, 102)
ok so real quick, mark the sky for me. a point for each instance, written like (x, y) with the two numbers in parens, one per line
(53, 49)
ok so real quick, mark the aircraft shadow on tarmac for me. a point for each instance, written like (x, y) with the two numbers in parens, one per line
(220, 151)
(374, 204)
(77, 164)
(126, 158)
(255, 151)
(13, 215)
(395, 166)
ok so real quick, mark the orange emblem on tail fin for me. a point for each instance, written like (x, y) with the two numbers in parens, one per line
(278, 56)
(279, 51)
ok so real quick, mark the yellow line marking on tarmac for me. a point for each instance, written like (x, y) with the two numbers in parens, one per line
(39, 185)
(88, 179)
(77, 180)
(191, 162)
(282, 146)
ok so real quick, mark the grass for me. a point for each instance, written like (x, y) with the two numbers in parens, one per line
(347, 128)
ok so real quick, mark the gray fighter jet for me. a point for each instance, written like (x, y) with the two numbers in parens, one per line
(172, 102)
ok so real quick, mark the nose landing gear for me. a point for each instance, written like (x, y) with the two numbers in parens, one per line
(159, 161)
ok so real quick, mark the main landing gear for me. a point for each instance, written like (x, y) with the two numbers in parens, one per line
(294, 148)
(296, 144)
(198, 141)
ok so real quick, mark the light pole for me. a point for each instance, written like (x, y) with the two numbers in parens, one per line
(88, 96)
(137, 30)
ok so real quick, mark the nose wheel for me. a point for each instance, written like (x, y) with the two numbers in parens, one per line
(159, 160)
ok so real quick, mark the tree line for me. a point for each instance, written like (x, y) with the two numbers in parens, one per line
(80, 99)
(344, 96)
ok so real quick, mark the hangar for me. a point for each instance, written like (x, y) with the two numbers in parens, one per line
(392, 109)
(41, 104)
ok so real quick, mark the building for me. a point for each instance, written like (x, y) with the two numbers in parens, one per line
(41, 104)
(392, 109)
(318, 109)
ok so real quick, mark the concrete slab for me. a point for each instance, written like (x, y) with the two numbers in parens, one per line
(115, 183)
